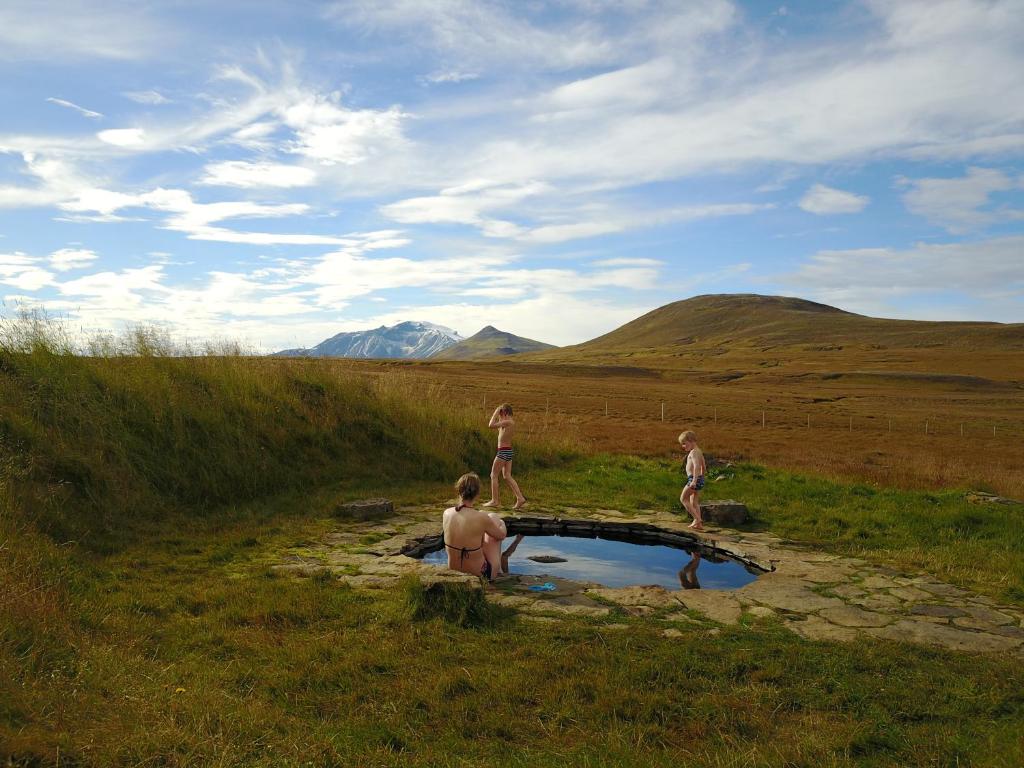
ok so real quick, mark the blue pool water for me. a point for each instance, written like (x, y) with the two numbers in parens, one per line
(615, 563)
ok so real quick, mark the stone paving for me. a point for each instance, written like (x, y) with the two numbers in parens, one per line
(816, 595)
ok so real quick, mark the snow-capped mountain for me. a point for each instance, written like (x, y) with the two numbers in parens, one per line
(411, 339)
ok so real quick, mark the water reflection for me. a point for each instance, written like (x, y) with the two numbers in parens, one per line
(616, 563)
(688, 574)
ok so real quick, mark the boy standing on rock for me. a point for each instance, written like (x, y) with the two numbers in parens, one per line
(696, 468)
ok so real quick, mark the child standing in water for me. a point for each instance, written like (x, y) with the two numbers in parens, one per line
(695, 471)
(501, 420)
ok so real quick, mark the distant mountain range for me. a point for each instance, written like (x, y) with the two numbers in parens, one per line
(726, 332)
(411, 339)
(490, 342)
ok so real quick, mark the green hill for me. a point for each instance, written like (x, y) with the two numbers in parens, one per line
(490, 342)
(748, 331)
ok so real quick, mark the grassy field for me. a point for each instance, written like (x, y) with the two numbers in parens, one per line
(184, 649)
(866, 428)
(145, 497)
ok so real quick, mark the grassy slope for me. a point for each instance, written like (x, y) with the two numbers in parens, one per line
(490, 342)
(176, 644)
(744, 331)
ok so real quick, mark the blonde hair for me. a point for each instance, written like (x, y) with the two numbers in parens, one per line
(468, 486)
(505, 408)
(688, 435)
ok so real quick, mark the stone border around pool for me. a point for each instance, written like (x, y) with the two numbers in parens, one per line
(632, 533)
(817, 595)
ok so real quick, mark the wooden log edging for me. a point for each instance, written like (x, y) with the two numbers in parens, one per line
(636, 533)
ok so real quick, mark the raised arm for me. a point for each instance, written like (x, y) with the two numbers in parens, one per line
(496, 420)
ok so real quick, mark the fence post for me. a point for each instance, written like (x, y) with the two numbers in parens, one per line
(606, 408)
(961, 430)
(926, 426)
(890, 425)
(851, 423)
(663, 411)
(808, 421)
(762, 419)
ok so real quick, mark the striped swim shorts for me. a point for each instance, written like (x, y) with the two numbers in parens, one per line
(505, 454)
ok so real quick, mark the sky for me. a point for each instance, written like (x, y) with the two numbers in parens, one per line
(275, 173)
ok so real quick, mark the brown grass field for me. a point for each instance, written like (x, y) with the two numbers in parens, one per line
(867, 427)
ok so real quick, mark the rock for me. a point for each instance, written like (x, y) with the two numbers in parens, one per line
(910, 594)
(878, 602)
(724, 512)
(816, 628)
(716, 605)
(908, 630)
(671, 632)
(879, 582)
(547, 559)
(365, 509)
(653, 596)
(938, 611)
(787, 594)
(848, 616)
(760, 611)
(980, 497)
(849, 592)
(988, 615)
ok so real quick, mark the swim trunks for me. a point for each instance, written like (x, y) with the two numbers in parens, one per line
(700, 482)
(505, 454)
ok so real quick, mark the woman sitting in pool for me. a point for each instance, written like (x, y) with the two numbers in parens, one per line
(472, 538)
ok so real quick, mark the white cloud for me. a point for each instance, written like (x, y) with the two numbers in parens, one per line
(823, 200)
(71, 258)
(48, 30)
(331, 134)
(238, 173)
(123, 137)
(449, 76)
(82, 110)
(466, 204)
(20, 271)
(982, 270)
(146, 97)
(956, 203)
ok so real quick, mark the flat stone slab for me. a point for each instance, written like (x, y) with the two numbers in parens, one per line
(365, 509)
(945, 635)
(717, 605)
(980, 497)
(848, 616)
(938, 611)
(724, 512)
(788, 594)
(547, 559)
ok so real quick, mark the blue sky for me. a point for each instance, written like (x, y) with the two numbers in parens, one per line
(277, 173)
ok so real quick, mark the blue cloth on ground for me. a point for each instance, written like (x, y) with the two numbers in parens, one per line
(547, 586)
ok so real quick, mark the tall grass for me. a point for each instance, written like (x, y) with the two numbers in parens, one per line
(140, 424)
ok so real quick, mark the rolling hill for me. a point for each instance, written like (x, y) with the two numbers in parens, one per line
(490, 342)
(754, 332)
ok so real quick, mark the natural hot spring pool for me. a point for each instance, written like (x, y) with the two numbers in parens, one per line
(617, 563)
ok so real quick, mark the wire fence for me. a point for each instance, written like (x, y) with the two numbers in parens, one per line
(816, 417)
